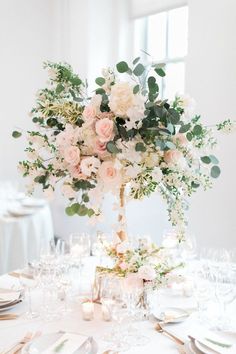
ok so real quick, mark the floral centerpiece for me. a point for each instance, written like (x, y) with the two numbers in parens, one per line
(123, 134)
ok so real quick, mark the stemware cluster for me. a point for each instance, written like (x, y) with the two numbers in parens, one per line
(52, 276)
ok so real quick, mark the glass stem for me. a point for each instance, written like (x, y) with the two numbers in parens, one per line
(30, 303)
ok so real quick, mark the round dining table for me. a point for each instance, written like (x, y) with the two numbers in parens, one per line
(22, 236)
(72, 321)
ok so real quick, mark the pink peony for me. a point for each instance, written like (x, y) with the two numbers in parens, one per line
(172, 156)
(109, 174)
(72, 155)
(105, 129)
(89, 112)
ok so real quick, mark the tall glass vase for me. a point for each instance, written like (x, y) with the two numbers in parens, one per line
(122, 229)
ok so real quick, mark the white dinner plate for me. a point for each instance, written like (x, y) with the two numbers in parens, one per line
(203, 348)
(171, 314)
(11, 306)
(21, 211)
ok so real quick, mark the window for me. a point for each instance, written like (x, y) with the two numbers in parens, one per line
(165, 36)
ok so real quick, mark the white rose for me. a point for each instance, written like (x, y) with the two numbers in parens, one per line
(121, 98)
(90, 165)
(147, 272)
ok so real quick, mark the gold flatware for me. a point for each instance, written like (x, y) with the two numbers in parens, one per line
(19, 344)
(8, 316)
(18, 275)
(160, 329)
(109, 351)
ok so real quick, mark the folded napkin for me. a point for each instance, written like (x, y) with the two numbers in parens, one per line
(214, 341)
(69, 343)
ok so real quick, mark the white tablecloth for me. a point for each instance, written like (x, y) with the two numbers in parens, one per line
(13, 330)
(21, 238)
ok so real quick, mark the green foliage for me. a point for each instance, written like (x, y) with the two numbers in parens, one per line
(82, 185)
(136, 89)
(160, 71)
(197, 130)
(112, 148)
(122, 67)
(184, 128)
(140, 147)
(16, 134)
(136, 60)
(215, 171)
(100, 81)
(206, 159)
(139, 70)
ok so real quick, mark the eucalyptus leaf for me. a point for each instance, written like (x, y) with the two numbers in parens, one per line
(215, 171)
(16, 134)
(170, 145)
(139, 70)
(136, 89)
(197, 130)
(122, 67)
(214, 159)
(184, 128)
(136, 60)
(160, 72)
(112, 148)
(100, 81)
(206, 159)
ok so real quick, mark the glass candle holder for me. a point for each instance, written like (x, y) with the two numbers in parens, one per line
(106, 309)
(88, 310)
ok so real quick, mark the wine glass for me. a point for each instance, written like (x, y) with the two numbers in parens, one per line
(29, 279)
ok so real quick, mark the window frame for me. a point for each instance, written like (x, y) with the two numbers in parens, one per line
(167, 60)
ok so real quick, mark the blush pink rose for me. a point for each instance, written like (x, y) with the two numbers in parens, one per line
(100, 148)
(180, 139)
(72, 155)
(105, 129)
(75, 171)
(172, 156)
(89, 112)
(109, 174)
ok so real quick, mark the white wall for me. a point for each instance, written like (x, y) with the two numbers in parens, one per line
(211, 79)
(26, 40)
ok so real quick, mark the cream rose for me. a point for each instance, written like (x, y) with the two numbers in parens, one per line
(105, 129)
(72, 155)
(172, 156)
(121, 98)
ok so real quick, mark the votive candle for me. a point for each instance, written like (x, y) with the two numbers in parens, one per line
(88, 310)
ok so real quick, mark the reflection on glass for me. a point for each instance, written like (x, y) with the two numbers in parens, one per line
(156, 36)
(178, 32)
